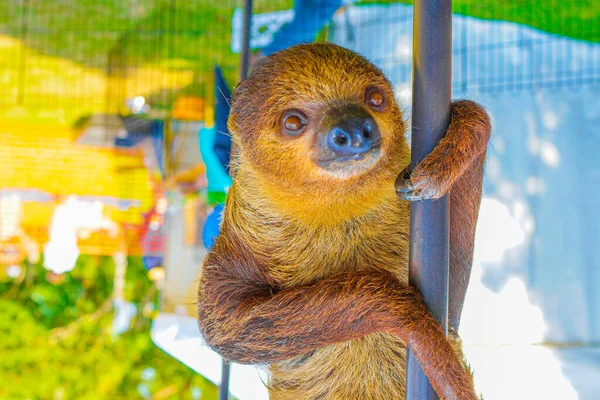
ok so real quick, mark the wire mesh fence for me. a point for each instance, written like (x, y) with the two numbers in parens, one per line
(488, 57)
(104, 100)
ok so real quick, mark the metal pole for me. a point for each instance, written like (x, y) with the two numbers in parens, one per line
(224, 388)
(244, 67)
(429, 220)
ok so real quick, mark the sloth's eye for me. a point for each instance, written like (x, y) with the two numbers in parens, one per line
(375, 98)
(294, 123)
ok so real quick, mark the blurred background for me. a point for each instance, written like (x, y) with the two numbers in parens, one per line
(114, 154)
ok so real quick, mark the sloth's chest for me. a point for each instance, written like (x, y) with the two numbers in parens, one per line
(310, 255)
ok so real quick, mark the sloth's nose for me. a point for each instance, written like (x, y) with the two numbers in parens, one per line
(352, 136)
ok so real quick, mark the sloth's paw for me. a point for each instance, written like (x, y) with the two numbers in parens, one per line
(422, 184)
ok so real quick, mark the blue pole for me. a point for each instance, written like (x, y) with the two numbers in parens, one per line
(429, 220)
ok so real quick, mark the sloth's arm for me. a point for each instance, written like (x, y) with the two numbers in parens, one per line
(465, 198)
(455, 165)
(246, 322)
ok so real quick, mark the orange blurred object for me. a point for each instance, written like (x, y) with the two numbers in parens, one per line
(188, 108)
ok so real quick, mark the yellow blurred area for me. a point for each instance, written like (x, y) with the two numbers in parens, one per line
(38, 106)
(46, 158)
(56, 90)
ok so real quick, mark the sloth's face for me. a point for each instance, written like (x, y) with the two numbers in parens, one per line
(343, 137)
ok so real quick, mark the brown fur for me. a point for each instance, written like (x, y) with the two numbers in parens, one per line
(309, 273)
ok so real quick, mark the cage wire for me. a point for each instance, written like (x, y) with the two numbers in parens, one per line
(101, 102)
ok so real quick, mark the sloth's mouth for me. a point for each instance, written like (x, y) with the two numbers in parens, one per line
(356, 157)
(345, 166)
(375, 148)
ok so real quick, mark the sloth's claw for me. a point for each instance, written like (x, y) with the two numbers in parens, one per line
(403, 185)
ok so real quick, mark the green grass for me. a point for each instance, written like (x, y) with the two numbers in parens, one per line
(577, 19)
(56, 341)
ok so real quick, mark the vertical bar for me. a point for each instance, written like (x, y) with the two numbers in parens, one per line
(244, 67)
(224, 388)
(23, 52)
(429, 221)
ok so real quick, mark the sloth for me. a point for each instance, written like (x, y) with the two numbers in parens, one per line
(310, 272)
